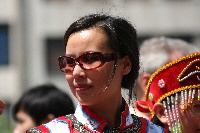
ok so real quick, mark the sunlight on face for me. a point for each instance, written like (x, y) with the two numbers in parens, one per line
(24, 122)
(84, 34)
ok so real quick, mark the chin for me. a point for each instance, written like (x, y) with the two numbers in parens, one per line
(86, 101)
(83, 100)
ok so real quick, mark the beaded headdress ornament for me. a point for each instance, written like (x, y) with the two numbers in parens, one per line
(177, 81)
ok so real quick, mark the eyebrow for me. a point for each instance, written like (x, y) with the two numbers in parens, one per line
(69, 55)
(72, 55)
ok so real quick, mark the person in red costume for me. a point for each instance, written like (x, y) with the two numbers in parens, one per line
(154, 53)
(2, 106)
(173, 95)
(101, 57)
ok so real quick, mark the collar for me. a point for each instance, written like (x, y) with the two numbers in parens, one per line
(93, 122)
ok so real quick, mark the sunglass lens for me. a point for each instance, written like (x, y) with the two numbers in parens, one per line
(66, 63)
(90, 60)
(62, 63)
(70, 61)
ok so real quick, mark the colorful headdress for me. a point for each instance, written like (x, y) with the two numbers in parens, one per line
(181, 75)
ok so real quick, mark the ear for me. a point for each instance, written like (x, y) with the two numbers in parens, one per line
(159, 109)
(126, 65)
(144, 78)
(48, 118)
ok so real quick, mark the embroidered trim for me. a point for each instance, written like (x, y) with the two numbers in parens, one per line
(161, 83)
(135, 127)
(192, 73)
(34, 130)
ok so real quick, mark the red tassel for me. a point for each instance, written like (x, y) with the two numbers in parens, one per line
(142, 109)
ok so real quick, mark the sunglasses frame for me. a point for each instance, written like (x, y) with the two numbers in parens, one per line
(106, 57)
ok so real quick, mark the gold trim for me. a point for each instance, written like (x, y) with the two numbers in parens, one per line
(194, 61)
(178, 90)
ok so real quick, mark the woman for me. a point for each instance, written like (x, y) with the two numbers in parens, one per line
(101, 58)
(40, 105)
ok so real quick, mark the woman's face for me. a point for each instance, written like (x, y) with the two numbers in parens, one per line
(24, 122)
(87, 85)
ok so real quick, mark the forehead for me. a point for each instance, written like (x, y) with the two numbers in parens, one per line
(94, 39)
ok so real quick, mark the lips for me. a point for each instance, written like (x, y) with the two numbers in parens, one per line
(82, 87)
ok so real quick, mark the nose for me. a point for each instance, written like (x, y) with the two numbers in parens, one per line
(78, 71)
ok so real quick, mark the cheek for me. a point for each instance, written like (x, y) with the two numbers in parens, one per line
(69, 79)
(23, 127)
(102, 74)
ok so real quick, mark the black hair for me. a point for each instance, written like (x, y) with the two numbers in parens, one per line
(42, 100)
(156, 121)
(122, 40)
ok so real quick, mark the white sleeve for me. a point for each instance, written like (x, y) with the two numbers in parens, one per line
(58, 126)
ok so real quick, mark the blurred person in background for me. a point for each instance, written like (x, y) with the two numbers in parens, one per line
(154, 53)
(2, 106)
(39, 105)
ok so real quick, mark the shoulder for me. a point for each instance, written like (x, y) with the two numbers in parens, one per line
(151, 128)
(58, 125)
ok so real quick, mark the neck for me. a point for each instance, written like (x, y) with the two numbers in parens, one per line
(110, 110)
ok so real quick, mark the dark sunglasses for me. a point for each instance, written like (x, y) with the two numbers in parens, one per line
(87, 61)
